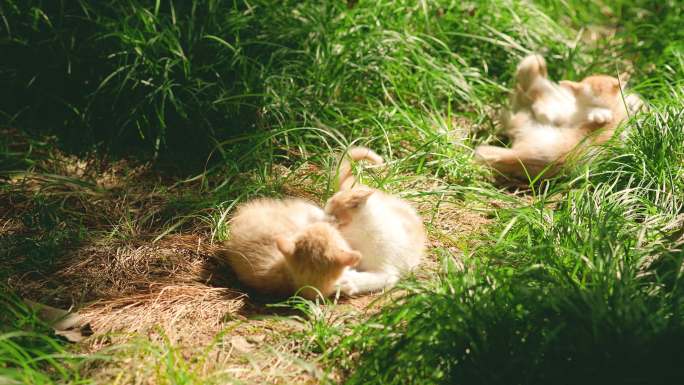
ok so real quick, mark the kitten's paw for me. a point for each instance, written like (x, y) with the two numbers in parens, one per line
(600, 116)
(346, 286)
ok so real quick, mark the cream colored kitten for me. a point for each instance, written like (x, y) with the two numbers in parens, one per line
(280, 246)
(385, 229)
(551, 120)
(567, 104)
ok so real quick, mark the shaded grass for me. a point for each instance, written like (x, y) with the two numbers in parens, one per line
(175, 77)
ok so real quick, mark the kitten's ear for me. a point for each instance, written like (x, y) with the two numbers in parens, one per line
(350, 258)
(285, 245)
(575, 87)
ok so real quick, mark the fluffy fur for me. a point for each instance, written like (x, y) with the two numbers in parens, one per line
(280, 246)
(385, 229)
(551, 120)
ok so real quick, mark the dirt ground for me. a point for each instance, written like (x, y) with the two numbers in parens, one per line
(146, 296)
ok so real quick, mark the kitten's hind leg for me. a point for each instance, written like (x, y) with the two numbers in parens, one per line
(529, 70)
(354, 282)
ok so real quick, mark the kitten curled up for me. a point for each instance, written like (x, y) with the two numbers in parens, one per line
(278, 247)
(550, 121)
(386, 230)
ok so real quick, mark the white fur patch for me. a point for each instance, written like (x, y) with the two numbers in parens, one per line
(556, 107)
(600, 115)
(378, 231)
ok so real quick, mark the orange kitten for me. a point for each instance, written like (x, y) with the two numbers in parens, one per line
(551, 120)
(385, 229)
(280, 246)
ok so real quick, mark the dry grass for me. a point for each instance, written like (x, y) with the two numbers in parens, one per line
(151, 304)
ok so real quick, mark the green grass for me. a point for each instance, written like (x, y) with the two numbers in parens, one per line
(28, 354)
(584, 284)
(576, 280)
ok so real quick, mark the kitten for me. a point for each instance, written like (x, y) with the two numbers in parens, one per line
(594, 100)
(386, 230)
(551, 120)
(280, 246)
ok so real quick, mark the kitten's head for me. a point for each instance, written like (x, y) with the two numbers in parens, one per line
(344, 204)
(596, 90)
(317, 256)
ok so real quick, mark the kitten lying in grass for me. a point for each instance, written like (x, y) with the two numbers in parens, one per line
(280, 246)
(385, 229)
(551, 120)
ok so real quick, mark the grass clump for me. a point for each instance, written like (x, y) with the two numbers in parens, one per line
(160, 75)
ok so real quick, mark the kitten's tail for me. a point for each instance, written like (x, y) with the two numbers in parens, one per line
(355, 154)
